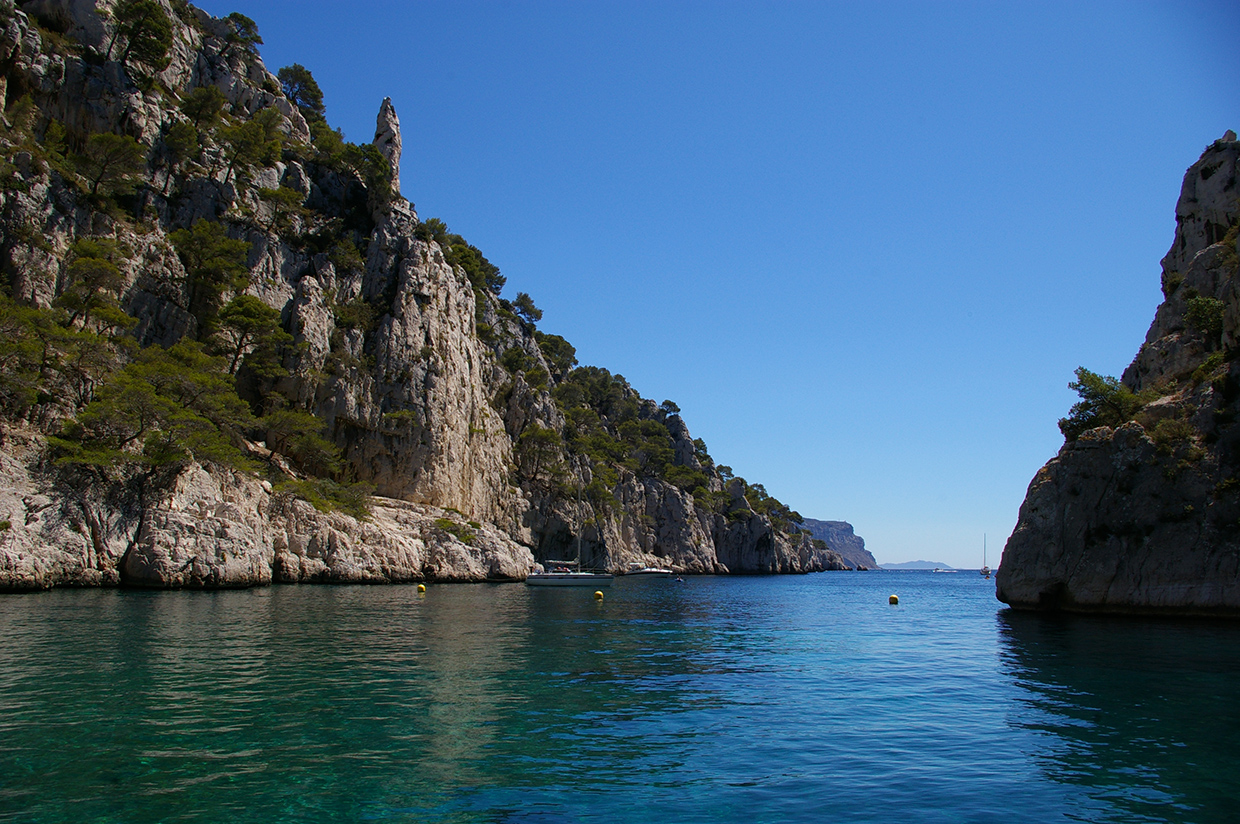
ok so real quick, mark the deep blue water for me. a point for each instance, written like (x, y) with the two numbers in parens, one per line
(792, 699)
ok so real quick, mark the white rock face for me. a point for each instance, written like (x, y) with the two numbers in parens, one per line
(211, 530)
(396, 349)
(215, 528)
(52, 535)
(400, 542)
(387, 140)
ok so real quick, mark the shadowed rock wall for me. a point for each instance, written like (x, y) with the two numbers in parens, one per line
(1144, 516)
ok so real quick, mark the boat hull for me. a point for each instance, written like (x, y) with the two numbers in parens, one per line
(569, 579)
(648, 572)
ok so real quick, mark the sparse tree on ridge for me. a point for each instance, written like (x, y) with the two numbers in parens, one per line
(1104, 402)
(243, 33)
(302, 91)
(525, 308)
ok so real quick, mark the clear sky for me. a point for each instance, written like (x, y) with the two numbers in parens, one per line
(862, 245)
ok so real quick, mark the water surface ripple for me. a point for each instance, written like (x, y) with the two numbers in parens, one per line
(723, 699)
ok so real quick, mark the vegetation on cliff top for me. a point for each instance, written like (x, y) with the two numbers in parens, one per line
(1106, 401)
(113, 395)
(110, 400)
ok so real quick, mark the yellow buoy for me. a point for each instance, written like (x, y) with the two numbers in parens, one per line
(893, 599)
(421, 587)
(598, 595)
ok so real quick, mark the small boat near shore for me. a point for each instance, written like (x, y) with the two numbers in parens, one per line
(637, 570)
(568, 573)
(568, 578)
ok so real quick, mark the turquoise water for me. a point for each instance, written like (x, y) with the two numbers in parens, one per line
(803, 698)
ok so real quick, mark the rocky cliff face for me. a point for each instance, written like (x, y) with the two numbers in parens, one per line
(839, 536)
(1143, 513)
(390, 363)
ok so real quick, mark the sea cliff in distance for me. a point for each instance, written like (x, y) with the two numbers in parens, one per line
(233, 354)
(839, 535)
(1140, 510)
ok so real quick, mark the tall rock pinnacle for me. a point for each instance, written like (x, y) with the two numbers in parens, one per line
(387, 139)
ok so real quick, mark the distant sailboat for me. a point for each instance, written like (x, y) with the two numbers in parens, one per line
(985, 569)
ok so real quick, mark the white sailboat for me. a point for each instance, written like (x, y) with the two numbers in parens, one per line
(985, 569)
(563, 575)
(568, 573)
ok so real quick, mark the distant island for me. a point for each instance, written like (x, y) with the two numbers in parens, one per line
(916, 565)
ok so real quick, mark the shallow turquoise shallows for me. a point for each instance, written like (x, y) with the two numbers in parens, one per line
(721, 699)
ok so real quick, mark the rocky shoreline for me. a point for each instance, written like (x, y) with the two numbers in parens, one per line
(391, 364)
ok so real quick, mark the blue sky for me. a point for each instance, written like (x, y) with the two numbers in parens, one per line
(862, 245)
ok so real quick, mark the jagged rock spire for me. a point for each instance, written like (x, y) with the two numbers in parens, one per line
(387, 139)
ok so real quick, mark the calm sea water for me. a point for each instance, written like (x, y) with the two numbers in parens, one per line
(723, 699)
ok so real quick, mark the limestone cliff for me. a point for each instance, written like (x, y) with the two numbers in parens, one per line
(839, 536)
(1142, 512)
(234, 355)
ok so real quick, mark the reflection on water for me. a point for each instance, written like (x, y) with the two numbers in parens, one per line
(797, 699)
(335, 701)
(1141, 714)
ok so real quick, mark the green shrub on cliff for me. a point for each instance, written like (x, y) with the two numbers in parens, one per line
(111, 164)
(539, 452)
(203, 105)
(146, 32)
(465, 534)
(285, 204)
(164, 406)
(92, 287)
(1171, 433)
(242, 34)
(327, 495)
(1204, 316)
(688, 479)
(1211, 369)
(301, 437)
(253, 142)
(180, 144)
(23, 356)
(1104, 402)
(250, 329)
(214, 263)
(560, 355)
